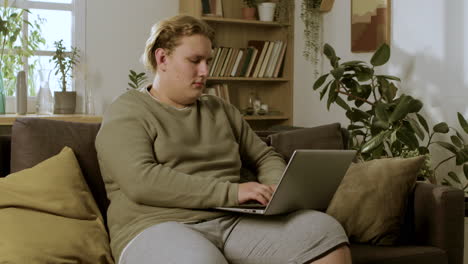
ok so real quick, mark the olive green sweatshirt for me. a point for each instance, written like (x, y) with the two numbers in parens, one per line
(163, 164)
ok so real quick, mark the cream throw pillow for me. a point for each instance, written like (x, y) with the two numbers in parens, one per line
(371, 200)
(48, 215)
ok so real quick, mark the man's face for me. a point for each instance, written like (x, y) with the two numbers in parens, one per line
(187, 68)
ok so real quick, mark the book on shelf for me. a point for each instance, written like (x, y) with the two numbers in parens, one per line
(231, 62)
(220, 90)
(212, 8)
(245, 65)
(260, 59)
(274, 57)
(252, 60)
(226, 61)
(220, 63)
(280, 60)
(261, 73)
(259, 45)
(216, 53)
(236, 65)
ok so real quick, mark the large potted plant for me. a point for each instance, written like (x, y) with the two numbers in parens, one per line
(385, 122)
(64, 101)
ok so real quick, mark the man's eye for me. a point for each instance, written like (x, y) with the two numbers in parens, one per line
(195, 61)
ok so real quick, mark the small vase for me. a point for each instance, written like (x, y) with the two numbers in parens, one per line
(44, 102)
(21, 93)
(65, 102)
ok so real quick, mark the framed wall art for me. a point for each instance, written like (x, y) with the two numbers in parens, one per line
(370, 24)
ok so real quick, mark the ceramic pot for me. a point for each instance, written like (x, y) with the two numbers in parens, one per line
(249, 13)
(266, 11)
(65, 102)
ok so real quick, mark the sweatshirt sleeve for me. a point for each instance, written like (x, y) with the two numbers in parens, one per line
(126, 157)
(269, 164)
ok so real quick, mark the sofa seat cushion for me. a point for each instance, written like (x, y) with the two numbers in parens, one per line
(367, 254)
(48, 215)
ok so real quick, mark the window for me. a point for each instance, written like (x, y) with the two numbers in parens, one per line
(48, 21)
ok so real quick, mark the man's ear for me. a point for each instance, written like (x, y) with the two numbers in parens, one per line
(161, 58)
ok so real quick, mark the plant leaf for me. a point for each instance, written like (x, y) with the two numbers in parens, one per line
(375, 142)
(448, 146)
(351, 63)
(402, 109)
(389, 77)
(381, 112)
(342, 103)
(329, 51)
(381, 56)
(337, 72)
(332, 94)
(415, 106)
(423, 122)
(454, 176)
(417, 129)
(442, 127)
(407, 137)
(320, 81)
(463, 122)
(461, 157)
(456, 141)
(324, 90)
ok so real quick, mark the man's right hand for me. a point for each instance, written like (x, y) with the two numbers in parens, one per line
(255, 191)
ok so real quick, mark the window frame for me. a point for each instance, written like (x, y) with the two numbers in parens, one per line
(78, 39)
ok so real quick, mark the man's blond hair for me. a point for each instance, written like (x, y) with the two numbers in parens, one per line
(167, 33)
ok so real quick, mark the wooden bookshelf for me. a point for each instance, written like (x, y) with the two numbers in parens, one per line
(234, 32)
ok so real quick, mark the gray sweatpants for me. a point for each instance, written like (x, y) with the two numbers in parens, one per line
(297, 237)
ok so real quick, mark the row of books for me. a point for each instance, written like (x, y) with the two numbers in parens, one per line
(261, 59)
(220, 90)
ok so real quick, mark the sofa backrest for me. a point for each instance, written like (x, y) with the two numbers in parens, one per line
(34, 140)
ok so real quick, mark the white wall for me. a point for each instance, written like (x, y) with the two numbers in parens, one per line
(116, 32)
(428, 52)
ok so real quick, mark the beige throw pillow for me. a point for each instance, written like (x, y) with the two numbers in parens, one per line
(371, 200)
(48, 215)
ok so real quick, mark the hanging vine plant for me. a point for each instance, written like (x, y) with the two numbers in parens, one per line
(312, 19)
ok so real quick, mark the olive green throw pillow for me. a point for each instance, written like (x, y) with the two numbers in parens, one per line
(48, 215)
(371, 200)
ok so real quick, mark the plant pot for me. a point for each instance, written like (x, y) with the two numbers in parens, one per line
(65, 102)
(266, 11)
(249, 13)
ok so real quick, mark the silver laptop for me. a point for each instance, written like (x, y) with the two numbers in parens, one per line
(309, 181)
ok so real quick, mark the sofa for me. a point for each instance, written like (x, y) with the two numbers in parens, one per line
(432, 231)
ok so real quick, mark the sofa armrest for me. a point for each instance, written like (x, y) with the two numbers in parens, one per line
(439, 219)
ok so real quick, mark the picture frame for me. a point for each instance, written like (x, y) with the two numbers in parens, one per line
(370, 24)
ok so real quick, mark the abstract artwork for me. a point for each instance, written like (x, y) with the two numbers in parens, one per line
(370, 24)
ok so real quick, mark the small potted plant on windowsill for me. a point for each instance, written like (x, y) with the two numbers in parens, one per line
(249, 10)
(64, 101)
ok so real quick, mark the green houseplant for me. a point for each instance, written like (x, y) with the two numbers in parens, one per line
(383, 122)
(137, 80)
(65, 101)
(14, 47)
(312, 19)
